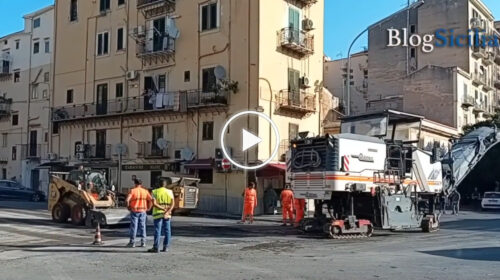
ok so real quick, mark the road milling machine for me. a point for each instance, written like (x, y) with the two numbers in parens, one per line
(373, 174)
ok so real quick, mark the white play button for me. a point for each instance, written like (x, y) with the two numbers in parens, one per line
(249, 140)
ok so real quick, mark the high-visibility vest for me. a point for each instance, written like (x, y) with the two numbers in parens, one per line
(163, 197)
(250, 197)
(139, 198)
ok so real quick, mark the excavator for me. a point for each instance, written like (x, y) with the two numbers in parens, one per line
(372, 175)
(84, 197)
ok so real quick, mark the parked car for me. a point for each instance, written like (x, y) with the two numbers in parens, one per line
(14, 190)
(491, 200)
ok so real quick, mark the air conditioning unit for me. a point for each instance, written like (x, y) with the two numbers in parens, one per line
(140, 31)
(131, 75)
(307, 24)
(52, 156)
(304, 82)
(80, 148)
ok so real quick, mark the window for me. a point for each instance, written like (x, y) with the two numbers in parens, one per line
(162, 83)
(46, 77)
(121, 2)
(47, 46)
(102, 43)
(46, 137)
(14, 153)
(5, 42)
(209, 17)
(187, 76)
(413, 29)
(209, 82)
(413, 52)
(4, 140)
(119, 90)
(36, 47)
(34, 93)
(104, 5)
(4, 173)
(466, 90)
(120, 40)
(45, 93)
(293, 131)
(293, 80)
(206, 176)
(293, 19)
(17, 44)
(69, 96)
(17, 76)
(55, 128)
(73, 10)
(208, 131)
(36, 23)
(15, 120)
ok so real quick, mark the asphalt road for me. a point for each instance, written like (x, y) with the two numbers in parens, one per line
(33, 247)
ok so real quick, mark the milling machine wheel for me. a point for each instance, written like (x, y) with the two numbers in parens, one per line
(335, 232)
(78, 215)
(60, 213)
(430, 225)
(369, 232)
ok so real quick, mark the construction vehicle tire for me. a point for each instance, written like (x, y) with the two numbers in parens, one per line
(78, 215)
(60, 213)
(429, 225)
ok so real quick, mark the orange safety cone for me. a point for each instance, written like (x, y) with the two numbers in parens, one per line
(97, 237)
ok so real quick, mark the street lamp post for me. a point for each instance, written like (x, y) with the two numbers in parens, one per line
(348, 86)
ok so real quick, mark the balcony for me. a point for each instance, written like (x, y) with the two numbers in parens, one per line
(496, 81)
(489, 59)
(296, 103)
(468, 101)
(154, 47)
(488, 84)
(478, 79)
(303, 3)
(154, 8)
(5, 65)
(98, 152)
(296, 41)
(149, 150)
(5, 106)
(171, 102)
(479, 53)
(479, 107)
(33, 151)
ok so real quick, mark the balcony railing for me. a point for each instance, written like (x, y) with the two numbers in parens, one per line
(150, 150)
(479, 79)
(496, 81)
(488, 84)
(33, 151)
(154, 46)
(468, 101)
(98, 152)
(5, 65)
(5, 106)
(164, 102)
(479, 107)
(153, 8)
(296, 101)
(296, 41)
(479, 52)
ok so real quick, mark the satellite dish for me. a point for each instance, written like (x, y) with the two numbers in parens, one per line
(172, 29)
(121, 149)
(220, 72)
(162, 143)
(187, 154)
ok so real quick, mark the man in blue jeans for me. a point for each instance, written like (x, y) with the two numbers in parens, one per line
(163, 204)
(139, 201)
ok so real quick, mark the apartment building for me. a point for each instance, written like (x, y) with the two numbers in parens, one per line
(454, 86)
(25, 90)
(144, 87)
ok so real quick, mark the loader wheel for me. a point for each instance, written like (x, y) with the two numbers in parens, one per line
(78, 214)
(60, 213)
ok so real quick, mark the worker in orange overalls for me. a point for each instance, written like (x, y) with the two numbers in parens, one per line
(287, 205)
(249, 202)
(300, 205)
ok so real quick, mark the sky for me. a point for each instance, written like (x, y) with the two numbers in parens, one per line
(344, 19)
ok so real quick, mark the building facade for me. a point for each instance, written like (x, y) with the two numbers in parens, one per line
(455, 86)
(25, 90)
(150, 84)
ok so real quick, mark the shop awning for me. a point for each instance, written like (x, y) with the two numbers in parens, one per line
(272, 170)
(200, 164)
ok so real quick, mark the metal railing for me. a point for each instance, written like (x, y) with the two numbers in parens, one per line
(296, 40)
(101, 152)
(151, 150)
(5, 65)
(146, 3)
(33, 151)
(479, 78)
(5, 107)
(468, 101)
(479, 52)
(154, 43)
(296, 101)
(179, 101)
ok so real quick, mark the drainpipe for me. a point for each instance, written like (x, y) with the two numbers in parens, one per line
(270, 112)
